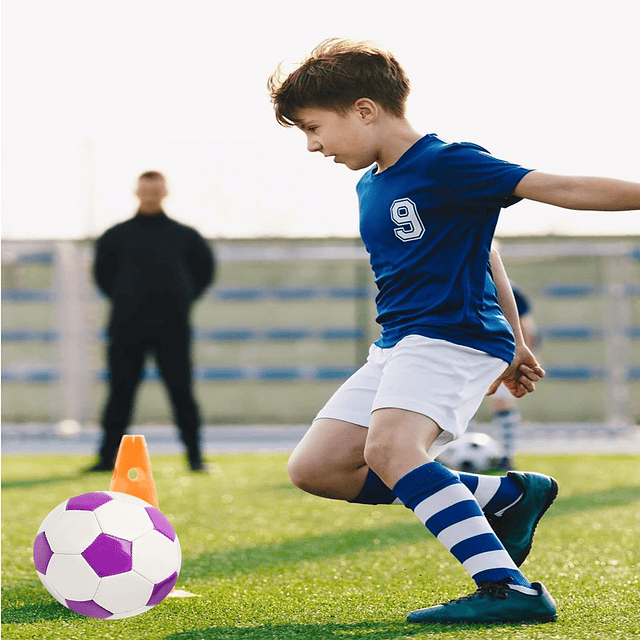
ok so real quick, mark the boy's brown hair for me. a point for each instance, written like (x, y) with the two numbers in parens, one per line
(335, 75)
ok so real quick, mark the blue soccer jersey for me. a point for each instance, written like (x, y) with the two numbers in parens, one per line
(427, 223)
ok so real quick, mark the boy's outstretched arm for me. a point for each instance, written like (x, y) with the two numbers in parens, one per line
(577, 192)
(520, 377)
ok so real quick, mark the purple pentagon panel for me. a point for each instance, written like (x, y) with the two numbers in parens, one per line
(162, 590)
(88, 501)
(88, 608)
(108, 555)
(41, 553)
(160, 523)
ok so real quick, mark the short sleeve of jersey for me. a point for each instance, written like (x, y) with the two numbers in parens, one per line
(469, 175)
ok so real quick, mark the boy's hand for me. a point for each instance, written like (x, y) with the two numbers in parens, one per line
(521, 375)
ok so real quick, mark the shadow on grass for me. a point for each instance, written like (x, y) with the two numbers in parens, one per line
(598, 499)
(311, 548)
(32, 613)
(368, 630)
(36, 482)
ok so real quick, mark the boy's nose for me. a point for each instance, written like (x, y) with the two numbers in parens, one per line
(313, 145)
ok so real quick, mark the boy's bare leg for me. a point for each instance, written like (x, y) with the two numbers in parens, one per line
(397, 451)
(398, 442)
(329, 460)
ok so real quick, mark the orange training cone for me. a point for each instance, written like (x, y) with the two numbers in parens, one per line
(133, 460)
(133, 456)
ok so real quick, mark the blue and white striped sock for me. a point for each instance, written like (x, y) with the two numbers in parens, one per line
(494, 494)
(374, 491)
(448, 509)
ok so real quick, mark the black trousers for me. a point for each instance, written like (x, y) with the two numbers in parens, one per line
(126, 355)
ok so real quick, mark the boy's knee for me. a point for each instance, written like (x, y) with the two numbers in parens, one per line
(298, 472)
(305, 473)
(377, 455)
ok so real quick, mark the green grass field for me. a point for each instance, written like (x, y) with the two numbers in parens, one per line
(266, 560)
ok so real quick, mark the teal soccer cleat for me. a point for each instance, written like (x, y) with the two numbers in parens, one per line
(493, 602)
(515, 528)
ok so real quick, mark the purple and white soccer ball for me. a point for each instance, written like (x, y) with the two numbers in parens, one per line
(107, 555)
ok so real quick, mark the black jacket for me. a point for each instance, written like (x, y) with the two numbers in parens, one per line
(152, 268)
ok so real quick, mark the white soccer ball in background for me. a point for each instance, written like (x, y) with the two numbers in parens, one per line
(68, 428)
(473, 452)
(107, 555)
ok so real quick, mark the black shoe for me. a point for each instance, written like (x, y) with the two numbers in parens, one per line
(199, 465)
(100, 466)
(515, 528)
(492, 602)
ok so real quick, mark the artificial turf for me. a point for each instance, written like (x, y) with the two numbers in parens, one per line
(265, 560)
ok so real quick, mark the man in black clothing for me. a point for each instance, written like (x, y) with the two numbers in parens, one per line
(152, 268)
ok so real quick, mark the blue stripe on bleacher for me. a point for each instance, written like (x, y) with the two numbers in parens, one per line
(289, 293)
(201, 373)
(225, 334)
(27, 295)
(279, 373)
(250, 294)
(29, 335)
(222, 334)
(334, 373)
(576, 290)
(576, 372)
(239, 294)
(31, 375)
(584, 290)
(348, 292)
(36, 257)
(269, 334)
(52, 374)
(219, 373)
(288, 333)
(570, 332)
(343, 333)
(296, 293)
(277, 334)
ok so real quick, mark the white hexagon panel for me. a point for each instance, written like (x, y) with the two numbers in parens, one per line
(123, 520)
(114, 592)
(72, 577)
(72, 531)
(146, 552)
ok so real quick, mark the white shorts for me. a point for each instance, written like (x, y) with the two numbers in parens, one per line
(438, 379)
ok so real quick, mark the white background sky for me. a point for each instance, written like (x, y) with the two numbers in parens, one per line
(94, 93)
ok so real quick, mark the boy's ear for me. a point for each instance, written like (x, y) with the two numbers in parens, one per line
(367, 109)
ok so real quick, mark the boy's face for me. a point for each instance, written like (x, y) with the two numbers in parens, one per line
(348, 139)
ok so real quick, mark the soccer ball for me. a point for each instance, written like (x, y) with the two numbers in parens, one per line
(473, 452)
(107, 555)
(68, 428)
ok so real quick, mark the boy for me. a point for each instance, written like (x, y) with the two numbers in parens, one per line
(428, 211)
